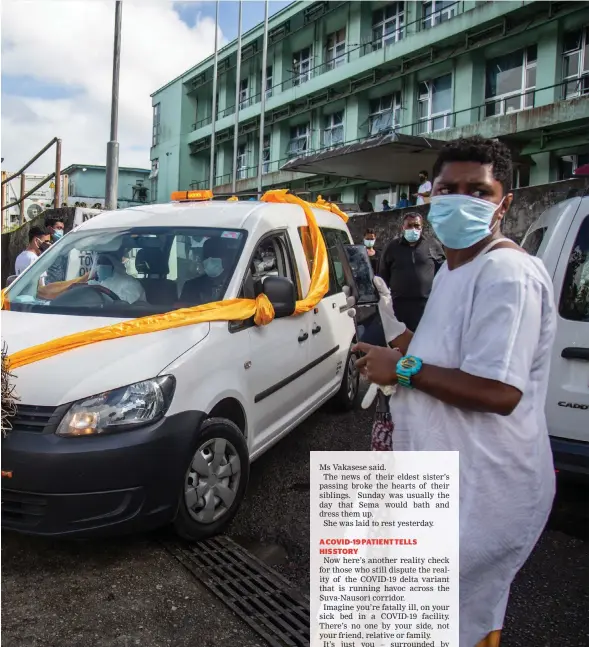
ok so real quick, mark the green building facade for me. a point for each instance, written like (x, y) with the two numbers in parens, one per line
(341, 73)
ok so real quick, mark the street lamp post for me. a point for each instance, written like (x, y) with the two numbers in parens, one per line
(112, 148)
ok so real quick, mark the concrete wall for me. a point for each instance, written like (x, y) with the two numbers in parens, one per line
(528, 204)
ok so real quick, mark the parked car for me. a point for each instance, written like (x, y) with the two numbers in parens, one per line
(560, 237)
(161, 428)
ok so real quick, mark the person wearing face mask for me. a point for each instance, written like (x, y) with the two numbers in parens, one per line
(211, 286)
(55, 228)
(408, 266)
(38, 243)
(110, 273)
(57, 271)
(473, 378)
(373, 253)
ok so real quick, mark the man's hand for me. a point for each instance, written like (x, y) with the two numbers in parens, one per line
(379, 365)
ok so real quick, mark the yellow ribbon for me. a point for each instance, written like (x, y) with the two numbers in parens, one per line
(229, 310)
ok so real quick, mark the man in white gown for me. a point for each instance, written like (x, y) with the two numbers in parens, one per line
(473, 377)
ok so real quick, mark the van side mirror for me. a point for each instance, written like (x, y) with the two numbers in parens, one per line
(281, 293)
(10, 279)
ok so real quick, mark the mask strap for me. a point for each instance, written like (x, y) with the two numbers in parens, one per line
(494, 228)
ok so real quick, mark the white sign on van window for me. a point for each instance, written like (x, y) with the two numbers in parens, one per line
(81, 215)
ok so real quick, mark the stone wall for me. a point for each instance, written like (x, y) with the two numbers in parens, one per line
(15, 241)
(528, 204)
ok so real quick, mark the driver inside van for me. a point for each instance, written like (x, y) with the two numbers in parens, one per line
(217, 262)
(110, 273)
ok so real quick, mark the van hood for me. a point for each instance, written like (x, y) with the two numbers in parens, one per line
(93, 369)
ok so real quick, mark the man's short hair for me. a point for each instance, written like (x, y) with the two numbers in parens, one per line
(370, 232)
(424, 173)
(481, 150)
(412, 214)
(51, 222)
(37, 232)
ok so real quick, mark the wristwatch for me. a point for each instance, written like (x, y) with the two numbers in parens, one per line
(407, 367)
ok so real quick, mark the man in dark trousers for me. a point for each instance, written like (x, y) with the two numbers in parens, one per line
(408, 266)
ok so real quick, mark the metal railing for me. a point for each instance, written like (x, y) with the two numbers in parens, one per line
(427, 127)
(25, 194)
(298, 79)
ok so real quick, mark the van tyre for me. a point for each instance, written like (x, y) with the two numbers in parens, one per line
(347, 397)
(215, 482)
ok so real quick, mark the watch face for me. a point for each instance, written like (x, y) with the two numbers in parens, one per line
(408, 362)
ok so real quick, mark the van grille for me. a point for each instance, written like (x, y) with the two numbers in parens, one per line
(32, 418)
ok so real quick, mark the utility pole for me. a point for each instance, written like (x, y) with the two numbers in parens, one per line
(112, 148)
(212, 170)
(263, 106)
(237, 93)
(57, 193)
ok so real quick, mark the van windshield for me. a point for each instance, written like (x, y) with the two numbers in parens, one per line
(130, 272)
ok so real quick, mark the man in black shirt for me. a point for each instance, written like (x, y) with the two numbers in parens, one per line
(366, 205)
(408, 266)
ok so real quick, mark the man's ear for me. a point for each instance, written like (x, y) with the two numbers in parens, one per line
(506, 204)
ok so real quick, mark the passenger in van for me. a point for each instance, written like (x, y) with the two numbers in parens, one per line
(217, 262)
(111, 274)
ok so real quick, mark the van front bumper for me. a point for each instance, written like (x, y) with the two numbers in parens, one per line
(103, 485)
(571, 457)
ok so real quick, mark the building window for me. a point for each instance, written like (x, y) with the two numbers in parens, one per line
(574, 298)
(387, 25)
(385, 113)
(301, 66)
(510, 82)
(242, 162)
(434, 104)
(155, 137)
(269, 82)
(299, 140)
(333, 133)
(438, 11)
(266, 155)
(155, 167)
(335, 54)
(576, 63)
(568, 164)
(243, 94)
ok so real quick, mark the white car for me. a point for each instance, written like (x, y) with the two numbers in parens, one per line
(560, 237)
(161, 428)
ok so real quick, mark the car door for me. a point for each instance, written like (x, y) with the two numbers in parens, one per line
(277, 388)
(567, 405)
(332, 329)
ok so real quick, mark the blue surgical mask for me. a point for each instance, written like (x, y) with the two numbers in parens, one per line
(104, 272)
(213, 267)
(411, 235)
(57, 234)
(461, 221)
(369, 243)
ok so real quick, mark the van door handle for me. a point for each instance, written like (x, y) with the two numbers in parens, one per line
(304, 337)
(316, 330)
(575, 352)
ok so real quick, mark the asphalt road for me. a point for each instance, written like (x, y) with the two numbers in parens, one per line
(129, 591)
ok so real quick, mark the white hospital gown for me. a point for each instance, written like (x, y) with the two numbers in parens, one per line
(495, 318)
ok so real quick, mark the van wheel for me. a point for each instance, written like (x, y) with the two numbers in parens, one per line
(346, 398)
(215, 482)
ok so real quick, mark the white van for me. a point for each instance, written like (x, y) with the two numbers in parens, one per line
(560, 237)
(174, 417)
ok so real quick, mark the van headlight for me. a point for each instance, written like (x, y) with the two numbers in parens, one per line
(122, 409)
